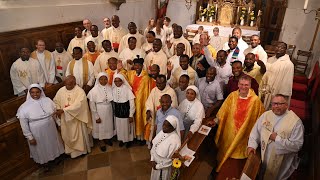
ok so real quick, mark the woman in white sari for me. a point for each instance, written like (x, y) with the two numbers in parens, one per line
(192, 111)
(166, 142)
(100, 98)
(38, 126)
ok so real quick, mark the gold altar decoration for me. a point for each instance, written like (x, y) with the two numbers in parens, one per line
(230, 13)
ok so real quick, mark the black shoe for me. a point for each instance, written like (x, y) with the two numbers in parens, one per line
(128, 144)
(121, 144)
(142, 143)
(108, 142)
(103, 148)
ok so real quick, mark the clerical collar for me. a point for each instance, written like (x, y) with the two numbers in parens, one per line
(24, 60)
(92, 52)
(78, 59)
(40, 52)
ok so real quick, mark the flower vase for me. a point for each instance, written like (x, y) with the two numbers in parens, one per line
(242, 22)
(202, 18)
(210, 19)
(251, 23)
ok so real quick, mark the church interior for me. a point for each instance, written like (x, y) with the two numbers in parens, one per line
(24, 22)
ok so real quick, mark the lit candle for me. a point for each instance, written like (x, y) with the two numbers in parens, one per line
(305, 4)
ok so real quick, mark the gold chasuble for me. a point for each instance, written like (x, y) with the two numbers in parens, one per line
(47, 57)
(141, 89)
(237, 117)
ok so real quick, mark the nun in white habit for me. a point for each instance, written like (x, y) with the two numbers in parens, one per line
(166, 142)
(192, 110)
(124, 109)
(100, 101)
(38, 126)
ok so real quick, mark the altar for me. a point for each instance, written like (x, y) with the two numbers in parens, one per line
(224, 31)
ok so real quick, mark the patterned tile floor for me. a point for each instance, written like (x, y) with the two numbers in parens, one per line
(114, 164)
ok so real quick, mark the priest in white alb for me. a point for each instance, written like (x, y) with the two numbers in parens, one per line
(279, 133)
(256, 49)
(178, 38)
(77, 41)
(62, 59)
(132, 33)
(115, 33)
(130, 53)
(237, 32)
(158, 57)
(153, 101)
(107, 24)
(46, 61)
(95, 37)
(279, 76)
(75, 119)
(24, 72)
(81, 69)
(101, 63)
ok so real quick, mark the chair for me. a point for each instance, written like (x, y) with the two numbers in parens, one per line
(301, 84)
(303, 109)
(301, 62)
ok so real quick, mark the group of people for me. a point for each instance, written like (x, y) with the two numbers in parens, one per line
(157, 88)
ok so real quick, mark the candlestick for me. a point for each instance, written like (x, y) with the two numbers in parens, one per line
(305, 4)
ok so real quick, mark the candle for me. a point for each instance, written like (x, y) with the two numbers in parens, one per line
(305, 4)
(208, 6)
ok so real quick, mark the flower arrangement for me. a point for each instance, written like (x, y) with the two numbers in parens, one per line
(203, 11)
(211, 11)
(243, 13)
(251, 14)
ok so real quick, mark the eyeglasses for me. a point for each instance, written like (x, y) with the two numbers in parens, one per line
(277, 103)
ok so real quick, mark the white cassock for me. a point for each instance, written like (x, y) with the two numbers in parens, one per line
(161, 36)
(168, 30)
(37, 123)
(123, 99)
(216, 42)
(175, 61)
(279, 157)
(77, 42)
(48, 65)
(240, 56)
(25, 73)
(101, 63)
(97, 41)
(279, 77)
(86, 33)
(258, 51)
(61, 60)
(182, 40)
(114, 35)
(153, 103)
(241, 44)
(124, 41)
(76, 123)
(192, 112)
(78, 73)
(100, 101)
(164, 146)
(128, 54)
(147, 47)
(159, 58)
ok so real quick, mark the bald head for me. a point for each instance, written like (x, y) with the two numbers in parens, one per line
(70, 82)
(87, 24)
(115, 21)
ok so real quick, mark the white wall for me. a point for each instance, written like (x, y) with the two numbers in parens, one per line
(298, 28)
(24, 14)
(179, 13)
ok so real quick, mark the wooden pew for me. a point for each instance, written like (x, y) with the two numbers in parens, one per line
(15, 161)
(252, 166)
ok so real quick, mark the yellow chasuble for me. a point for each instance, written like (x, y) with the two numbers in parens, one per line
(85, 68)
(111, 73)
(141, 89)
(237, 117)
